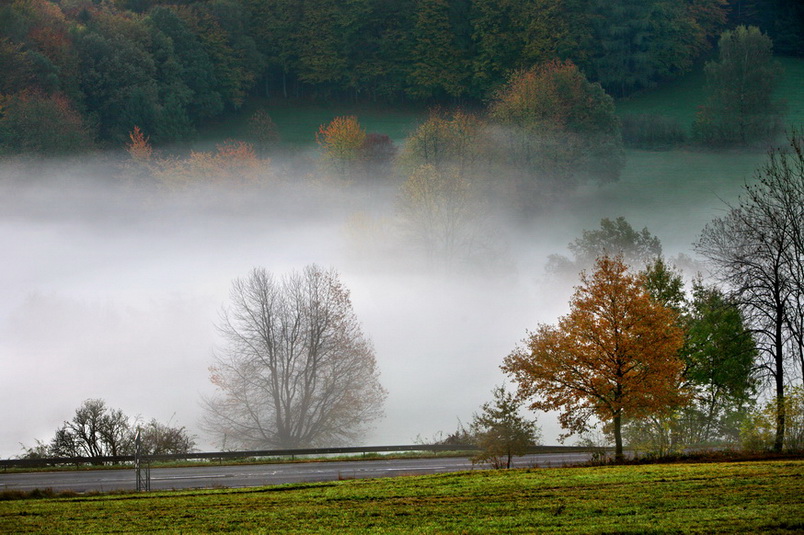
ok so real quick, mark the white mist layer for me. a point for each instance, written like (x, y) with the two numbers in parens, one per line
(112, 293)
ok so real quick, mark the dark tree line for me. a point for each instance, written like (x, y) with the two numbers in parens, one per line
(101, 67)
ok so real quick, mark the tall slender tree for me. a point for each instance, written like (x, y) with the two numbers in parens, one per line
(756, 250)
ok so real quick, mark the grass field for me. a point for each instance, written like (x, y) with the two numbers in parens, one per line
(747, 497)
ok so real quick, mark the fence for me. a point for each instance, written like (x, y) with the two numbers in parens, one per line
(234, 455)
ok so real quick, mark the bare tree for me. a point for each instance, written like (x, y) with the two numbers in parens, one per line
(94, 431)
(757, 251)
(296, 369)
(158, 439)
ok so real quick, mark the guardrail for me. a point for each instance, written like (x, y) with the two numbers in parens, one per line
(232, 455)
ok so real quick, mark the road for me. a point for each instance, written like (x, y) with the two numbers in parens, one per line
(231, 476)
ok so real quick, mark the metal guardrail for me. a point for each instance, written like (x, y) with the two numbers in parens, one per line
(231, 455)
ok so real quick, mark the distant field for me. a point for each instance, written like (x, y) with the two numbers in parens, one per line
(747, 497)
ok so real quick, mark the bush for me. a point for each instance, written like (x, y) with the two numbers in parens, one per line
(651, 131)
(759, 428)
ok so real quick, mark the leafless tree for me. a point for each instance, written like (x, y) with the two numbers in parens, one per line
(94, 431)
(757, 252)
(296, 369)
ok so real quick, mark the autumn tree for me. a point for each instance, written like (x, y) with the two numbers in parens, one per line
(27, 122)
(615, 356)
(295, 369)
(231, 163)
(447, 139)
(341, 141)
(501, 432)
(440, 213)
(556, 128)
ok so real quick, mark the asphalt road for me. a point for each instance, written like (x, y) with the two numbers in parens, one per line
(211, 476)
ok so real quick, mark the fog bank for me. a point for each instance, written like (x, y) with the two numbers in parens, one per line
(110, 290)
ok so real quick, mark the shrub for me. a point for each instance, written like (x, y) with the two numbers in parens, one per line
(759, 428)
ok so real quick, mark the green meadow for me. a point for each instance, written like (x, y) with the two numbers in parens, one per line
(743, 497)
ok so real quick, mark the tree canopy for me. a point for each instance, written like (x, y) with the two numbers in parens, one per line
(296, 369)
(614, 356)
(168, 66)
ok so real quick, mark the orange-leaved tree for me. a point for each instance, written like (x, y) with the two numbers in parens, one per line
(342, 140)
(614, 356)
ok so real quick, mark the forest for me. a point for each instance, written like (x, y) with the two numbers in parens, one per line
(100, 67)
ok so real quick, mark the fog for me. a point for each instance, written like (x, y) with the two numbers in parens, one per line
(112, 291)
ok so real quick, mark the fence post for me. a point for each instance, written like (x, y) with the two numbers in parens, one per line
(143, 480)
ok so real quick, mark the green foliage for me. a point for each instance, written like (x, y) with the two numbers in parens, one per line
(719, 354)
(664, 283)
(643, 42)
(782, 20)
(501, 432)
(440, 61)
(615, 237)
(716, 498)
(169, 67)
(740, 108)
(192, 62)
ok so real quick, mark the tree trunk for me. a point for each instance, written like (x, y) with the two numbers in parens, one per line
(778, 444)
(618, 440)
(780, 410)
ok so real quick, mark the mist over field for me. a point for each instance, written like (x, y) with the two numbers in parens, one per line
(110, 290)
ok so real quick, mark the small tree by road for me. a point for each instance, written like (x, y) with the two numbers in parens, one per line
(501, 432)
